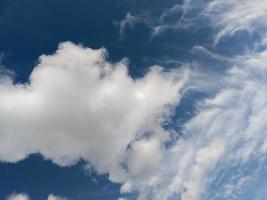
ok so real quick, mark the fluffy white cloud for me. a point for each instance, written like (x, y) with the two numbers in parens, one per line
(53, 197)
(145, 156)
(78, 106)
(18, 197)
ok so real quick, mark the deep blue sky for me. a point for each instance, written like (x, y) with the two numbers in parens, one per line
(30, 28)
(38, 178)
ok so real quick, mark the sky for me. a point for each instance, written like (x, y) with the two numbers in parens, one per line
(133, 100)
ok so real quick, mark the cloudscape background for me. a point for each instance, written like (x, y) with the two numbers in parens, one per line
(125, 100)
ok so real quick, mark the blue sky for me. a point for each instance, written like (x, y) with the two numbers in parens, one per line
(133, 99)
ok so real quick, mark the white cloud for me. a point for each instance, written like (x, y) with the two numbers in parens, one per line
(145, 156)
(78, 106)
(18, 197)
(205, 159)
(53, 197)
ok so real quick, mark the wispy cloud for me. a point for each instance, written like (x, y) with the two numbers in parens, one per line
(229, 17)
(127, 23)
(226, 18)
(228, 131)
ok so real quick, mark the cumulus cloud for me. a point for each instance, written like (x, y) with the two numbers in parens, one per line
(53, 197)
(76, 106)
(18, 197)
